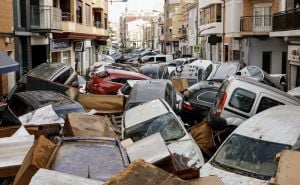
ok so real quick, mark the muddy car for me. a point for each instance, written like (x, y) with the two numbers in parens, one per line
(55, 72)
(110, 81)
(157, 116)
(148, 90)
(94, 158)
(24, 102)
(248, 156)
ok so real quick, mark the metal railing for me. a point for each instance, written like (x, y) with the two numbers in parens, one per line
(45, 18)
(287, 20)
(256, 24)
(67, 16)
(98, 24)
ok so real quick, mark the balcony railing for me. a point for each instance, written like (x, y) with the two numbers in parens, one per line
(98, 24)
(67, 16)
(287, 20)
(259, 24)
(45, 19)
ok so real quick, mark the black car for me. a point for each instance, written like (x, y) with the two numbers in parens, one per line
(147, 90)
(24, 102)
(55, 72)
(155, 71)
(197, 101)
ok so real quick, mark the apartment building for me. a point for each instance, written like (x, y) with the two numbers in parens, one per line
(7, 78)
(129, 16)
(84, 29)
(211, 29)
(188, 28)
(286, 26)
(173, 21)
(67, 31)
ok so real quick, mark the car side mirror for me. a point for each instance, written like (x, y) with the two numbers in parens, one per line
(187, 127)
(238, 73)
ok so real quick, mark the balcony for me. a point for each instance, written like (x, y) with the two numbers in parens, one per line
(256, 25)
(46, 19)
(287, 20)
(98, 24)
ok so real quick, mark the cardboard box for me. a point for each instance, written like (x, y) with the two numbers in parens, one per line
(84, 125)
(40, 155)
(102, 103)
(180, 84)
(141, 172)
(288, 168)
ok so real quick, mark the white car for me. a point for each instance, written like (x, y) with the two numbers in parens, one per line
(157, 116)
(247, 156)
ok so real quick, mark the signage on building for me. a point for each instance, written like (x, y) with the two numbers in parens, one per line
(196, 49)
(294, 53)
(79, 46)
(60, 44)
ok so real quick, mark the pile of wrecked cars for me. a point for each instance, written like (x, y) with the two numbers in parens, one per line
(228, 127)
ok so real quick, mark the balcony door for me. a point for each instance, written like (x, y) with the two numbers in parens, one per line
(262, 17)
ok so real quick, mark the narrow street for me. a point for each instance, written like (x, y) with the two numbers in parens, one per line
(136, 92)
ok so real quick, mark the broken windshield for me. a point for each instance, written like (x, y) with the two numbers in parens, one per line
(248, 156)
(167, 125)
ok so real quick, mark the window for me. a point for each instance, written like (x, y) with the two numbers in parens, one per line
(87, 15)
(65, 57)
(266, 103)
(79, 11)
(105, 21)
(242, 100)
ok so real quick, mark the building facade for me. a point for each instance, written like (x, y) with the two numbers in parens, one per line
(286, 26)
(211, 29)
(6, 43)
(67, 31)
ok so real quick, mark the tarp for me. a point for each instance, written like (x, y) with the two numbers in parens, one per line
(7, 64)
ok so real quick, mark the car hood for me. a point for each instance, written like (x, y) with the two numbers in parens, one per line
(187, 148)
(229, 178)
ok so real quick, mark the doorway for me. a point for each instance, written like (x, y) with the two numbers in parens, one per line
(39, 55)
(266, 61)
(262, 14)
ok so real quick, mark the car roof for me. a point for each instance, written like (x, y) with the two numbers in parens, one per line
(259, 84)
(123, 72)
(148, 67)
(147, 90)
(145, 112)
(279, 124)
(202, 63)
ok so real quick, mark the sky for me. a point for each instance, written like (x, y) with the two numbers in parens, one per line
(115, 9)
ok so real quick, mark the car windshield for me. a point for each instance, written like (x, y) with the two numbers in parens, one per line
(224, 71)
(249, 156)
(166, 124)
(45, 72)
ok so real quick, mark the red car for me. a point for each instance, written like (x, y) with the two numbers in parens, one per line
(110, 81)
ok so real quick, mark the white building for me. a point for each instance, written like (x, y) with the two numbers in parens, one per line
(136, 33)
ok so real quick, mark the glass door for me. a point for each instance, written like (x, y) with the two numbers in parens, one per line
(262, 17)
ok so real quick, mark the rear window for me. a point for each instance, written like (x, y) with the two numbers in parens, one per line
(266, 103)
(242, 100)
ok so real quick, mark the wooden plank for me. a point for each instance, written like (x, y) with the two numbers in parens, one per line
(141, 172)
(102, 103)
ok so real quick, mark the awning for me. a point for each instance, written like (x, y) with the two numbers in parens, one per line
(7, 64)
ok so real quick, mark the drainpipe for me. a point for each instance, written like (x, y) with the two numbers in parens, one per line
(223, 31)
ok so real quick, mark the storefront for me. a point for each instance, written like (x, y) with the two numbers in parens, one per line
(294, 66)
(61, 51)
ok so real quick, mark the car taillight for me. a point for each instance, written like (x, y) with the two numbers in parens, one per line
(221, 104)
(187, 105)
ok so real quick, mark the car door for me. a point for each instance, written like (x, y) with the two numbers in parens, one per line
(267, 101)
(241, 104)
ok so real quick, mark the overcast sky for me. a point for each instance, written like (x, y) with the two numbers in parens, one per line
(116, 8)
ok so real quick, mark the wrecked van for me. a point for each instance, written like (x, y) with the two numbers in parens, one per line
(157, 116)
(248, 155)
